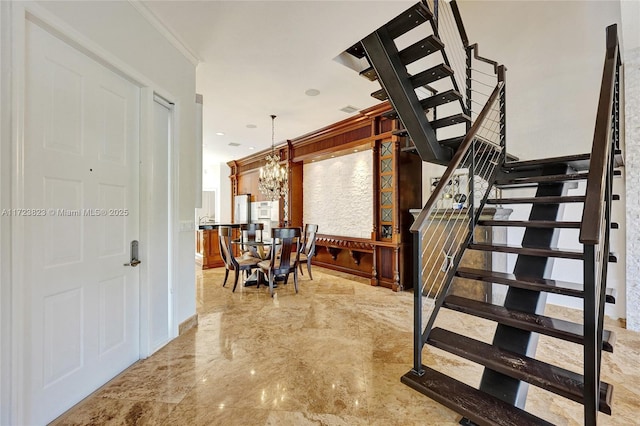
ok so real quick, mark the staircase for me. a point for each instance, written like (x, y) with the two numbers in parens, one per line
(487, 176)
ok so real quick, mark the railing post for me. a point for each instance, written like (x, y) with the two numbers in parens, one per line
(468, 88)
(616, 110)
(472, 195)
(503, 111)
(417, 306)
(435, 15)
(591, 386)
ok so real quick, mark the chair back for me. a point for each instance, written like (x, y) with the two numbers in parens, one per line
(287, 241)
(309, 242)
(250, 230)
(225, 234)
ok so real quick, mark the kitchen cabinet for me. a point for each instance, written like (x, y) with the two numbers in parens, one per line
(208, 248)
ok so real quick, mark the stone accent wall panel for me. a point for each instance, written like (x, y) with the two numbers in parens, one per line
(632, 178)
(338, 195)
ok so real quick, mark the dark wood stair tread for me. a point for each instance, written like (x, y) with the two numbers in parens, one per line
(409, 19)
(380, 95)
(521, 367)
(535, 251)
(536, 224)
(554, 327)
(369, 74)
(452, 142)
(567, 177)
(538, 200)
(431, 102)
(531, 223)
(430, 75)
(420, 49)
(451, 120)
(578, 162)
(542, 179)
(357, 51)
(530, 251)
(565, 288)
(543, 200)
(477, 406)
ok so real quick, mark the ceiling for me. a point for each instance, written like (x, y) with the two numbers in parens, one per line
(260, 57)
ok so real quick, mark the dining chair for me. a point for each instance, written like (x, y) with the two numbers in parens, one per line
(249, 232)
(231, 263)
(308, 248)
(285, 250)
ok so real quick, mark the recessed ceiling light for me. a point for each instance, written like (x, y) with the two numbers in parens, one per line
(251, 126)
(220, 133)
(349, 109)
(332, 156)
(312, 92)
(252, 147)
(355, 150)
(234, 144)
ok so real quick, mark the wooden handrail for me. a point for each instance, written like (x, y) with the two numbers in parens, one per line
(476, 56)
(457, 158)
(592, 216)
(459, 23)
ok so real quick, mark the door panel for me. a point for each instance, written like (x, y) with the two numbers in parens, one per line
(81, 167)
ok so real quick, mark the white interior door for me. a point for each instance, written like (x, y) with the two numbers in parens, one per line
(81, 170)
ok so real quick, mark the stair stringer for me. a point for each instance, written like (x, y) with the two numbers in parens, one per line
(394, 79)
(519, 341)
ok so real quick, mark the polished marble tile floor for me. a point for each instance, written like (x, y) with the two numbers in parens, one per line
(332, 354)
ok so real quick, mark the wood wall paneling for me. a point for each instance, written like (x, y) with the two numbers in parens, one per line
(296, 194)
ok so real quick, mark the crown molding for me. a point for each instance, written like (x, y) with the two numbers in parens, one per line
(166, 32)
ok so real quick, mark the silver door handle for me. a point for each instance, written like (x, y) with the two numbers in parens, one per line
(134, 255)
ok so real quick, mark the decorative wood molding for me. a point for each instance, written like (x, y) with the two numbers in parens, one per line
(355, 255)
(361, 120)
(333, 251)
(349, 243)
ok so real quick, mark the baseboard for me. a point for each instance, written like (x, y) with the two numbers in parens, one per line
(188, 324)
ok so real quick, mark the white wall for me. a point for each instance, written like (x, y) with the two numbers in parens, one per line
(223, 208)
(554, 52)
(5, 191)
(210, 176)
(120, 32)
(338, 195)
(215, 177)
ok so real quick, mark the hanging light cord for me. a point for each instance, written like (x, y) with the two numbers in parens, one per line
(273, 134)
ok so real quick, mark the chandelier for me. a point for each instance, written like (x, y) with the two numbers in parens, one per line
(274, 179)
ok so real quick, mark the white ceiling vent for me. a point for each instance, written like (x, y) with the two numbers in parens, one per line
(234, 144)
(349, 109)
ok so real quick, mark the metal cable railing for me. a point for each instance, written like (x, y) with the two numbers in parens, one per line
(455, 53)
(443, 230)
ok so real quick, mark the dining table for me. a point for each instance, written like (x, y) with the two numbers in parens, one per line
(263, 250)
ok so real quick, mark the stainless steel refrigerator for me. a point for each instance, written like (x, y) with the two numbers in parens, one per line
(242, 208)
